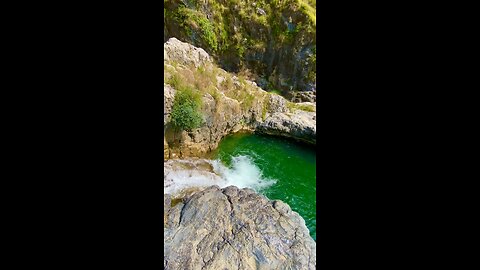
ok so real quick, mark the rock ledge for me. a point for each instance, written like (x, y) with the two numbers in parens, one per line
(233, 228)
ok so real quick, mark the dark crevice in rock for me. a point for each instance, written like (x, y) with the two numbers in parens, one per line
(181, 214)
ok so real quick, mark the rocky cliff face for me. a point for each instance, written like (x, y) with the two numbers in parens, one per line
(232, 52)
(229, 104)
(275, 40)
(234, 229)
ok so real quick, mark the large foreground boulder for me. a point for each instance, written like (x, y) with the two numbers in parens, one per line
(234, 229)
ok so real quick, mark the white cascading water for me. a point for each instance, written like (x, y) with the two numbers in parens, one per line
(182, 174)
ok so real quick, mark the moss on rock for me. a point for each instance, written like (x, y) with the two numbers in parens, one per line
(274, 39)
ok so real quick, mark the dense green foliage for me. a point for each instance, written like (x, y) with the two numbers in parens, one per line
(236, 24)
(190, 18)
(266, 37)
(186, 113)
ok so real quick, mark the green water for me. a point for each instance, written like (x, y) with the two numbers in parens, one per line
(291, 164)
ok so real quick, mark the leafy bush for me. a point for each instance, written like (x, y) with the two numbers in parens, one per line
(186, 113)
(190, 18)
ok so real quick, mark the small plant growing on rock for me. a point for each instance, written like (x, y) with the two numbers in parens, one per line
(174, 81)
(295, 106)
(186, 113)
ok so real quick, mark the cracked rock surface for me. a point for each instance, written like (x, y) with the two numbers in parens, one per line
(234, 228)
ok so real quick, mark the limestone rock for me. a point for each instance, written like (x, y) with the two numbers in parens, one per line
(242, 106)
(168, 97)
(277, 103)
(286, 62)
(185, 174)
(166, 152)
(165, 55)
(304, 96)
(299, 125)
(184, 53)
(235, 229)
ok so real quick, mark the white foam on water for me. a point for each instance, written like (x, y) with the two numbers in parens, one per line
(243, 173)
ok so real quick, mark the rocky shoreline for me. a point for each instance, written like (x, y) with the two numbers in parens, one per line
(241, 105)
(207, 223)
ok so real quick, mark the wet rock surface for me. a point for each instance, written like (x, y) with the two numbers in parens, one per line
(185, 174)
(233, 228)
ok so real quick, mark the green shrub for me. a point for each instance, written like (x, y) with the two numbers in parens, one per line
(275, 92)
(186, 113)
(234, 30)
(307, 108)
(295, 106)
(189, 18)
